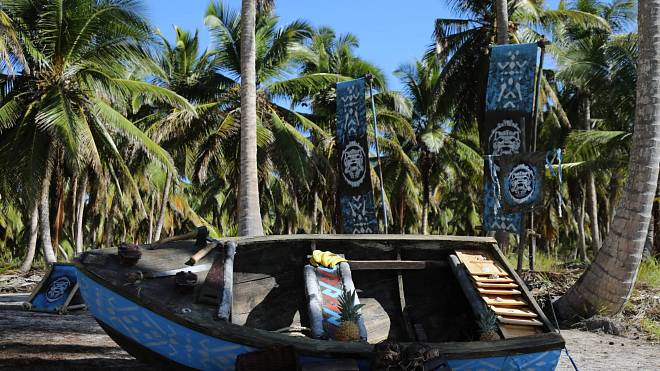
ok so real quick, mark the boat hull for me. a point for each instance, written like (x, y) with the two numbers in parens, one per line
(153, 338)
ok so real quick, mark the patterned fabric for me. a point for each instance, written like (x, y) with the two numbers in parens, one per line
(521, 180)
(56, 289)
(509, 105)
(495, 219)
(331, 289)
(354, 183)
(511, 78)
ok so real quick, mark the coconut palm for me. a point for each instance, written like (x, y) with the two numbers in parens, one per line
(438, 150)
(587, 64)
(608, 282)
(65, 112)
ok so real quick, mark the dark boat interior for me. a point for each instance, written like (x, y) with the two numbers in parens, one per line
(269, 287)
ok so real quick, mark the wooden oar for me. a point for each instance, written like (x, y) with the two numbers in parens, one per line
(201, 254)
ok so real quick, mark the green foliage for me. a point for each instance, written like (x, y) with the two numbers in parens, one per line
(649, 272)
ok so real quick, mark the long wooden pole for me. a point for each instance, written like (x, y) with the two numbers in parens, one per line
(369, 77)
(539, 75)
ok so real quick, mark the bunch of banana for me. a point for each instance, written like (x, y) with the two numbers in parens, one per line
(325, 258)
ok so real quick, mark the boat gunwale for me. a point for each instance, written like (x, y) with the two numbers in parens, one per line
(259, 338)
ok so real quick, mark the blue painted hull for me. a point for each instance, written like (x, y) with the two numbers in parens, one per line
(187, 347)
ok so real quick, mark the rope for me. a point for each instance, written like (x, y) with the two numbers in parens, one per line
(496, 184)
(549, 159)
(554, 316)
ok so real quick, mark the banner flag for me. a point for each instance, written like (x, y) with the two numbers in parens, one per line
(356, 197)
(509, 111)
(521, 180)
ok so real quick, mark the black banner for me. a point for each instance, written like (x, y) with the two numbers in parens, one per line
(354, 183)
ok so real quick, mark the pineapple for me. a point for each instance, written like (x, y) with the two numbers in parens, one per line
(348, 329)
(488, 327)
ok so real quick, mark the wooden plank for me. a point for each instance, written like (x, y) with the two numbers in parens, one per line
(504, 301)
(480, 263)
(513, 331)
(496, 285)
(402, 302)
(498, 291)
(513, 312)
(478, 307)
(492, 280)
(357, 265)
(525, 292)
(519, 321)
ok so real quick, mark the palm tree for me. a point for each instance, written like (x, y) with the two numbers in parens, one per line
(586, 59)
(60, 112)
(249, 214)
(438, 149)
(608, 282)
(502, 23)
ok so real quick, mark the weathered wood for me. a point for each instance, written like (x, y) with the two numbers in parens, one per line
(513, 312)
(492, 280)
(496, 285)
(505, 301)
(396, 264)
(478, 306)
(498, 291)
(269, 293)
(480, 263)
(519, 321)
(518, 331)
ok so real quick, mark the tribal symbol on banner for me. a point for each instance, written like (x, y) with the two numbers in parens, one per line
(521, 180)
(511, 78)
(355, 193)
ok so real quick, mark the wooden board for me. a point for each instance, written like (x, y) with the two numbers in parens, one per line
(519, 321)
(498, 291)
(509, 301)
(497, 285)
(480, 263)
(513, 312)
(492, 280)
(512, 331)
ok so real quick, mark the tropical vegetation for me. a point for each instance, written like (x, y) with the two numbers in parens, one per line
(111, 132)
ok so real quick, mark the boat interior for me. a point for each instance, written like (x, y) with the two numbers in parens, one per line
(407, 285)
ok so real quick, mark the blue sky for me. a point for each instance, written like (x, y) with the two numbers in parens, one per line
(390, 32)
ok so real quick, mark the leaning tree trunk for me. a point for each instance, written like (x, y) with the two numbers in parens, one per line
(606, 285)
(44, 208)
(80, 208)
(502, 21)
(249, 213)
(34, 234)
(163, 206)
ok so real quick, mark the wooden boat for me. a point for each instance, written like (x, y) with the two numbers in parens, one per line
(433, 278)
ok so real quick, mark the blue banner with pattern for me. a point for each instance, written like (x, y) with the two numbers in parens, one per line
(56, 289)
(511, 78)
(509, 107)
(354, 181)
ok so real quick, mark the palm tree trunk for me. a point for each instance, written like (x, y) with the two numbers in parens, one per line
(44, 208)
(249, 213)
(592, 196)
(426, 189)
(59, 215)
(79, 214)
(163, 206)
(606, 285)
(150, 232)
(582, 238)
(502, 21)
(34, 234)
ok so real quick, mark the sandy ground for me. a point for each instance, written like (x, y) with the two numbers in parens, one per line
(35, 341)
